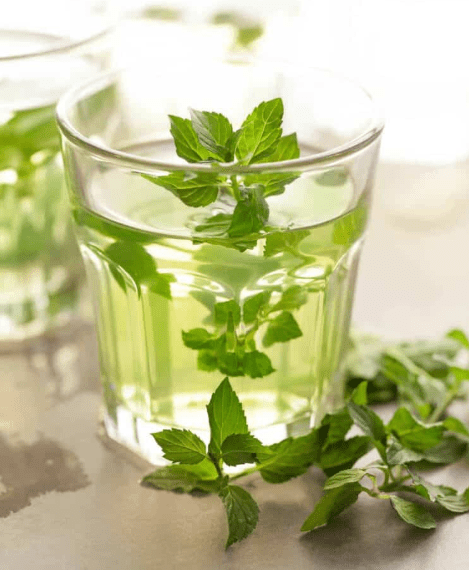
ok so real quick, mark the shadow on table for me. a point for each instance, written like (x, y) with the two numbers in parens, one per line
(30, 470)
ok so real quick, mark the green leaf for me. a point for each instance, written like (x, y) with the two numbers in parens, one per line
(260, 132)
(214, 131)
(184, 478)
(287, 149)
(459, 336)
(454, 503)
(333, 177)
(343, 454)
(412, 513)
(250, 214)
(254, 305)
(282, 329)
(181, 446)
(248, 34)
(450, 450)
(344, 477)
(215, 226)
(194, 190)
(292, 298)
(397, 454)
(257, 364)
(279, 242)
(289, 458)
(207, 360)
(186, 141)
(160, 283)
(458, 427)
(197, 338)
(414, 434)
(336, 426)
(240, 448)
(360, 394)
(224, 310)
(226, 416)
(133, 259)
(331, 504)
(242, 513)
(368, 421)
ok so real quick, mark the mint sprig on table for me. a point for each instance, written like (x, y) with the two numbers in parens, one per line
(209, 137)
(420, 435)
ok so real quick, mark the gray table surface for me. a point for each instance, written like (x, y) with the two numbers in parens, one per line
(68, 501)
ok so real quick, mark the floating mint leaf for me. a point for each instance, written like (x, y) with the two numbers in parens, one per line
(223, 311)
(344, 478)
(131, 258)
(412, 513)
(287, 149)
(194, 190)
(250, 214)
(240, 448)
(226, 416)
(214, 132)
(253, 305)
(282, 329)
(292, 298)
(197, 338)
(216, 225)
(181, 446)
(185, 138)
(257, 364)
(260, 132)
(279, 242)
(242, 513)
(333, 177)
(331, 504)
(184, 478)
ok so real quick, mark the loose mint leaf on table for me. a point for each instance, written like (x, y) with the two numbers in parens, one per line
(242, 513)
(260, 132)
(214, 132)
(282, 329)
(344, 477)
(184, 478)
(194, 190)
(413, 513)
(226, 416)
(370, 423)
(344, 454)
(331, 504)
(414, 434)
(240, 448)
(181, 446)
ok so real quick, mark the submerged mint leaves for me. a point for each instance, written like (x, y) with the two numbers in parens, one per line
(209, 137)
(405, 445)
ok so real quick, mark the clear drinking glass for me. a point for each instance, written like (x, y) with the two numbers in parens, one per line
(178, 304)
(43, 50)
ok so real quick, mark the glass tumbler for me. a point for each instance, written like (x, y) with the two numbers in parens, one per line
(185, 293)
(43, 51)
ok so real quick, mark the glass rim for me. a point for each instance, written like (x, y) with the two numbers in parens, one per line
(64, 48)
(133, 161)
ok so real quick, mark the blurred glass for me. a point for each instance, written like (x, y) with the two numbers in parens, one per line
(44, 48)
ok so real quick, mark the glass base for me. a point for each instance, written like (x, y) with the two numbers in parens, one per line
(134, 433)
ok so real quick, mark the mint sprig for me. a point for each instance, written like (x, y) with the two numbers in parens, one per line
(209, 137)
(403, 446)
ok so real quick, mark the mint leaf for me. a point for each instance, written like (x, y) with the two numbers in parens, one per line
(336, 426)
(215, 226)
(242, 513)
(250, 214)
(181, 446)
(197, 338)
(343, 454)
(333, 177)
(287, 149)
(214, 131)
(194, 190)
(279, 242)
(257, 364)
(413, 513)
(282, 329)
(289, 458)
(414, 434)
(240, 448)
(223, 311)
(253, 305)
(454, 503)
(459, 336)
(185, 138)
(344, 478)
(226, 416)
(397, 454)
(368, 421)
(131, 258)
(260, 132)
(331, 504)
(292, 298)
(184, 478)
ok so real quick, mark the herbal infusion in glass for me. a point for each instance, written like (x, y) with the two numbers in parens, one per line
(217, 269)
